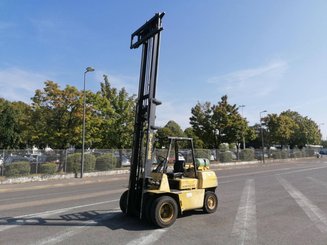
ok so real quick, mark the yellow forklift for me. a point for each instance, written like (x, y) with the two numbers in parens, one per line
(160, 192)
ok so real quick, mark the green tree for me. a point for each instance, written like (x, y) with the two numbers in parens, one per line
(281, 128)
(9, 130)
(221, 123)
(24, 121)
(198, 143)
(306, 132)
(117, 116)
(170, 129)
(256, 141)
(57, 116)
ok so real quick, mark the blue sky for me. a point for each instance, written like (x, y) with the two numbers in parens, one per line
(266, 55)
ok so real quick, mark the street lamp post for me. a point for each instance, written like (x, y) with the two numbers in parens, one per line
(263, 147)
(88, 69)
(243, 138)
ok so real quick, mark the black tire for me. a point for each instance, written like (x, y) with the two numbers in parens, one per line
(210, 204)
(123, 202)
(164, 211)
(147, 209)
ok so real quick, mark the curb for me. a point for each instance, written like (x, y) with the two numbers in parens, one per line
(39, 178)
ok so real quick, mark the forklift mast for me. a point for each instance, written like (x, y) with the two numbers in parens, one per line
(148, 36)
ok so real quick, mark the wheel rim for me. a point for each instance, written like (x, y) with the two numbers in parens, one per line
(211, 202)
(166, 212)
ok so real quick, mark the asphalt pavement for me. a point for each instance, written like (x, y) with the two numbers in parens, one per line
(275, 203)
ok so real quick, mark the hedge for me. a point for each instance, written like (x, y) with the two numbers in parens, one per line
(202, 153)
(284, 154)
(247, 155)
(48, 168)
(74, 162)
(17, 169)
(280, 155)
(296, 154)
(106, 162)
(225, 156)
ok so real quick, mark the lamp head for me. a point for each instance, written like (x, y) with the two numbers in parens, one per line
(89, 69)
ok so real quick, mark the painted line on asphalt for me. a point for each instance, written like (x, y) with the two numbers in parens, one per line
(42, 186)
(270, 171)
(62, 236)
(149, 238)
(20, 220)
(245, 224)
(315, 214)
(58, 200)
(253, 173)
(302, 170)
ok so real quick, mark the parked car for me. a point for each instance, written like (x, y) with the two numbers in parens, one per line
(42, 158)
(323, 152)
(125, 161)
(258, 155)
(11, 159)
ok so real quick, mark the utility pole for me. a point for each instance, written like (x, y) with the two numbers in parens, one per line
(88, 69)
(242, 106)
(263, 146)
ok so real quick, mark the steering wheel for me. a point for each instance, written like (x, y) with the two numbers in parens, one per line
(161, 159)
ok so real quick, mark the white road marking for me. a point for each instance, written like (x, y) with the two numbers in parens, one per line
(272, 170)
(245, 224)
(45, 214)
(148, 239)
(316, 215)
(62, 236)
(301, 170)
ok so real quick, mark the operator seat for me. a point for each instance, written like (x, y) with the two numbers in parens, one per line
(179, 166)
(178, 170)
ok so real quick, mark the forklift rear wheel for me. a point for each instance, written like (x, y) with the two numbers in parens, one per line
(123, 202)
(210, 202)
(164, 211)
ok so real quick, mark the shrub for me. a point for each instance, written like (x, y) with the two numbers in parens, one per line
(106, 162)
(202, 153)
(284, 154)
(74, 162)
(247, 155)
(225, 156)
(276, 155)
(48, 168)
(17, 169)
(310, 152)
(296, 154)
(224, 147)
(232, 147)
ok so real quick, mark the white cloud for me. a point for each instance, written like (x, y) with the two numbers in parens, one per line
(173, 110)
(260, 81)
(17, 84)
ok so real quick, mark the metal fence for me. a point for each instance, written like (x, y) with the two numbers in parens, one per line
(122, 157)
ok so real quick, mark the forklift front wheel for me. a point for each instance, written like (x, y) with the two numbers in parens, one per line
(210, 202)
(164, 211)
(123, 202)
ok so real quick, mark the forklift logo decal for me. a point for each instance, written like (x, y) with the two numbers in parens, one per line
(150, 146)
